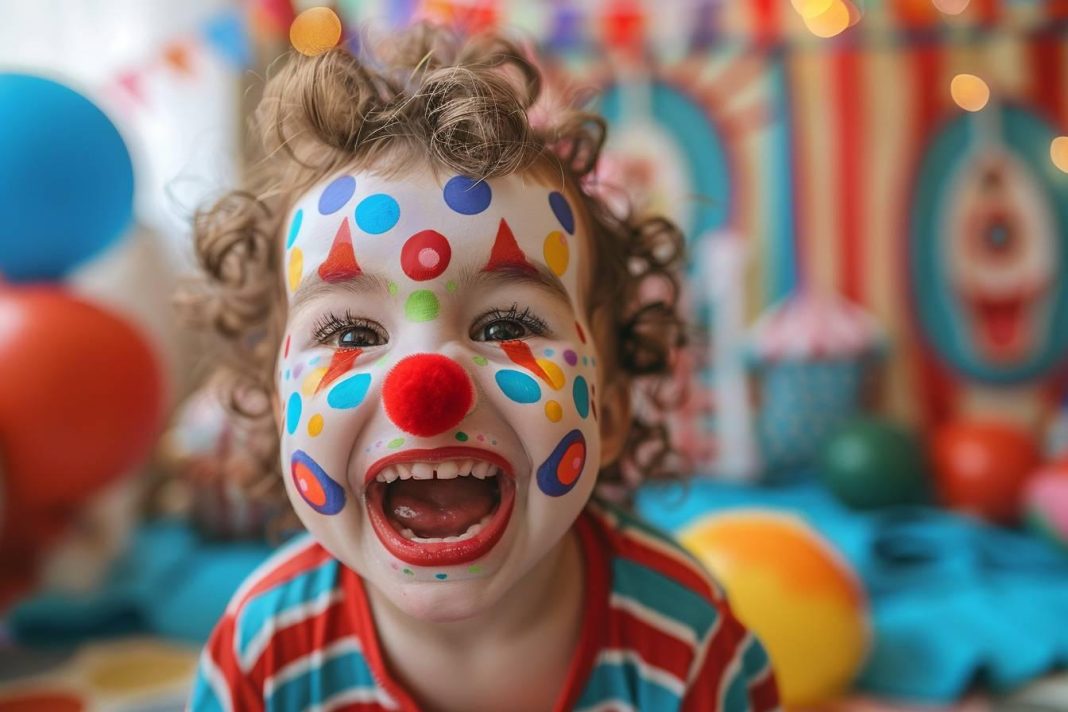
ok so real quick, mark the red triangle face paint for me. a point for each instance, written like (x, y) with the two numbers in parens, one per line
(506, 253)
(340, 364)
(520, 354)
(340, 264)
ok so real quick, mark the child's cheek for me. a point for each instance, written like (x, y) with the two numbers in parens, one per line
(323, 394)
(549, 395)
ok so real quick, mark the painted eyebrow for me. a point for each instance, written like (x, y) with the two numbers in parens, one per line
(540, 277)
(314, 286)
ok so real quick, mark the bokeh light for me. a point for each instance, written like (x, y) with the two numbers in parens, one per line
(951, 7)
(832, 21)
(1058, 152)
(812, 8)
(315, 30)
(969, 92)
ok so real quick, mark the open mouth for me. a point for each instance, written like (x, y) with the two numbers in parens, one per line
(440, 507)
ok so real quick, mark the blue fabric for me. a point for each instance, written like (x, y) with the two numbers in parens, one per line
(171, 583)
(953, 600)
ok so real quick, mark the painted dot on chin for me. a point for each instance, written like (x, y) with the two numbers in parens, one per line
(466, 195)
(422, 305)
(562, 211)
(314, 486)
(350, 392)
(377, 214)
(441, 577)
(293, 412)
(296, 268)
(519, 387)
(561, 470)
(294, 228)
(336, 194)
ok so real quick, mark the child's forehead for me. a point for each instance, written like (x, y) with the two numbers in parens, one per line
(427, 225)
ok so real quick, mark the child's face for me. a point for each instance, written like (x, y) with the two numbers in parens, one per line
(437, 380)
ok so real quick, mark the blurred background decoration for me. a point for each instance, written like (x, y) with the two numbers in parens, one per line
(875, 194)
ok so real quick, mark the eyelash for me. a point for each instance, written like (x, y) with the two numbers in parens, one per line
(531, 321)
(330, 325)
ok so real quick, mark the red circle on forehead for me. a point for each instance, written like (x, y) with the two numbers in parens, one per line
(425, 255)
(427, 394)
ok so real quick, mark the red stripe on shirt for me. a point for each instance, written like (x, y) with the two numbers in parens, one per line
(722, 650)
(664, 651)
(302, 561)
(303, 638)
(764, 693)
(676, 569)
(244, 691)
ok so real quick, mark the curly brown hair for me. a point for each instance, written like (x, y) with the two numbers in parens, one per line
(466, 104)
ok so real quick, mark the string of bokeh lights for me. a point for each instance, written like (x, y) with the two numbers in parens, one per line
(317, 29)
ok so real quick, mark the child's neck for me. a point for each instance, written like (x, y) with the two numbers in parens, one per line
(539, 619)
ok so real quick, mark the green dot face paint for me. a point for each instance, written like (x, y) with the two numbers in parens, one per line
(481, 284)
(422, 305)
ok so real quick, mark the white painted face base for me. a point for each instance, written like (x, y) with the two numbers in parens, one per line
(437, 326)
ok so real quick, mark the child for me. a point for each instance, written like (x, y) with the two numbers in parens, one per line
(448, 324)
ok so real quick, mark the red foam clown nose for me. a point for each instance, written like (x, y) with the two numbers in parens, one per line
(427, 394)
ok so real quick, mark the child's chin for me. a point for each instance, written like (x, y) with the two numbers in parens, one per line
(441, 602)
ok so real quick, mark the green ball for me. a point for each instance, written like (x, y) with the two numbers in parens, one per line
(870, 463)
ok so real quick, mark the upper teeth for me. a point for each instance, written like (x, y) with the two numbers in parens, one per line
(447, 470)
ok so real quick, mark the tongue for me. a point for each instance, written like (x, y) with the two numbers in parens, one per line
(440, 508)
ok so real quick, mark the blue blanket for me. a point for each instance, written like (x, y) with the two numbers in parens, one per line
(954, 601)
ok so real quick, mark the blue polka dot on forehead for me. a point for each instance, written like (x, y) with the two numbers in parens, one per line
(562, 211)
(377, 213)
(336, 194)
(467, 196)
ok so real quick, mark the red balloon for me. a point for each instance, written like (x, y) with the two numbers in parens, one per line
(80, 405)
(982, 467)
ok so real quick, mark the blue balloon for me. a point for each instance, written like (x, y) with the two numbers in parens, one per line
(66, 179)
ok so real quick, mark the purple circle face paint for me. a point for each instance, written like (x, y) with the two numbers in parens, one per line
(561, 470)
(562, 211)
(571, 357)
(467, 196)
(337, 194)
(316, 488)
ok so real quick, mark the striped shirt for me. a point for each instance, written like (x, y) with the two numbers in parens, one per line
(658, 635)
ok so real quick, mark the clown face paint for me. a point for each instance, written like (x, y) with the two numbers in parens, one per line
(439, 430)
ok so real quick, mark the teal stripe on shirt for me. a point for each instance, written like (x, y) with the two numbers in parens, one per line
(664, 595)
(203, 698)
(624, 681)
(335, 674)
(300, 590)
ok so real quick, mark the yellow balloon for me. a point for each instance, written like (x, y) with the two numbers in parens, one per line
(794, 592)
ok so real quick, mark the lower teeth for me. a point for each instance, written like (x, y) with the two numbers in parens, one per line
(472, 531)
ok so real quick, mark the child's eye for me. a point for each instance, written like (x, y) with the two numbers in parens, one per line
(349, 332)
(498, 325)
